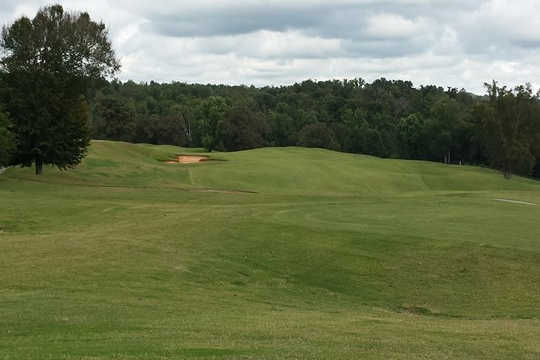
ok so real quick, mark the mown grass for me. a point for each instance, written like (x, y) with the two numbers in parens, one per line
(333, 256)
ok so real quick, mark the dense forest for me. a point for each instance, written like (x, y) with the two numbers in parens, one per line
(384, 118)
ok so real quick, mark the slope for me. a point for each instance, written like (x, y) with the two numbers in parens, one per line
(332, 256)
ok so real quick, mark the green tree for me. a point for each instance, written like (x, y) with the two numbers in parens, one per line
(50, 64)
(282, 129)
(114, 118)
(354, 139)
(509, 123)
(410, 132)
(6, 140)
(445, 119)
(212, 113)
(243, 129)
(318, 135)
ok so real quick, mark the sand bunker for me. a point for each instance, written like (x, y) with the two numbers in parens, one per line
(187, 159)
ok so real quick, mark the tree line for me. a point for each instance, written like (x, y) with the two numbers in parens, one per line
(55, 97)
(385, 118)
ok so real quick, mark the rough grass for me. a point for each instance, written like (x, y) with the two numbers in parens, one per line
(334, 256)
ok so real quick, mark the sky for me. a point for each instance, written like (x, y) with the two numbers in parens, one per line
(450, 43)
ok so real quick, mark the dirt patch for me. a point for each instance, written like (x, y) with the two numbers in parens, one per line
(188, 159)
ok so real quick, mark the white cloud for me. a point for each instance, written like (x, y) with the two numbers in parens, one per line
(392, 26)
(459, 43)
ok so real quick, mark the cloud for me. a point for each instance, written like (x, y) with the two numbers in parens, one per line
(459, 43)
(392, 26)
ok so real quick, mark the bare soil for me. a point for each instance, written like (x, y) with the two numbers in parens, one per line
(187, 159)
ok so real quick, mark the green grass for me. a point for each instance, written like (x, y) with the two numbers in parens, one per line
(278, 253)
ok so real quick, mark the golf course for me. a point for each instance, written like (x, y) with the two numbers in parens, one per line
(272, 253)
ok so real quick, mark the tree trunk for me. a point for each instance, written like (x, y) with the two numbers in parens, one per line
(39, 166)
(187, 125)
(507, 171)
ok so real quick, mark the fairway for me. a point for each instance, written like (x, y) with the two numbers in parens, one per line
(273, 253)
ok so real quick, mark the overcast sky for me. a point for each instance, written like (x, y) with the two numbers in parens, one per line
(458, 43)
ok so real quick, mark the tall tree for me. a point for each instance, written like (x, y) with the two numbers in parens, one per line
(318, 135)
(243, 129)
(411, 136)
(510, 123)
(114, 118)
(443, 127)
(212, 113)
(50, 64)
(6, 140)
